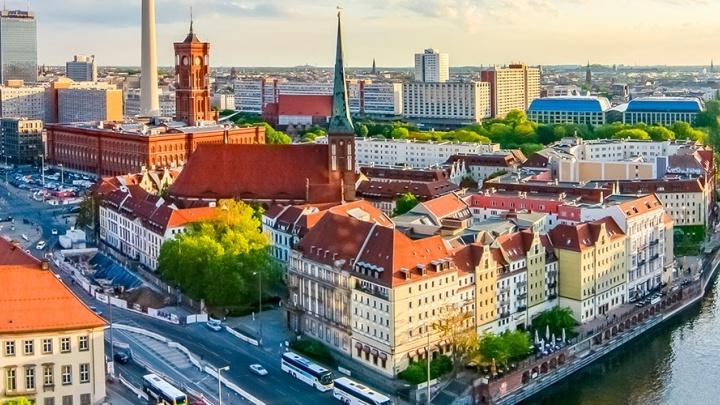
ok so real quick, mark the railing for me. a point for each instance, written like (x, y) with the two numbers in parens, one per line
(505, 315)
(521, 308)
(371, 290)
(522, 296)
(553, 284)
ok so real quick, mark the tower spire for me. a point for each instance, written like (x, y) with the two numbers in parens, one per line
(340, 122)
(191, 20)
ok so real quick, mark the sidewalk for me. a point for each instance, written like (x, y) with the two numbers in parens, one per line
(272, 323)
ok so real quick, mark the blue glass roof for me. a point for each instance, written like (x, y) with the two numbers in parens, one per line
(665, 104)
(570, 104)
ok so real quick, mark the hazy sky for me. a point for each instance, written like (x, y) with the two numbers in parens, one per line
(473, 32)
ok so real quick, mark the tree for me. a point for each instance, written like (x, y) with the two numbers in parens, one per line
(221, 260)
(361, 130)
(399, 133)
(659, 133)
(405, 203)
(493, 347)
(89, 211)
(453, 327)
(18, 401)
(273, 136)
(530, 148)
(518, 343)
(557, 319)
(632, 133)
(683, 130)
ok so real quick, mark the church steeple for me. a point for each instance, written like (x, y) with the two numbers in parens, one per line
(374, 68)
(340, 122)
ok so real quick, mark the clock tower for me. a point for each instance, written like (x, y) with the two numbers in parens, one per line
(192, 69)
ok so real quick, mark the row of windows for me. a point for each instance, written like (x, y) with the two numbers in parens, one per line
(12, 376)
(28, 348)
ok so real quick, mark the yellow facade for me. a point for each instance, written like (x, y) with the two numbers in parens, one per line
(485, 294)
(537, 288)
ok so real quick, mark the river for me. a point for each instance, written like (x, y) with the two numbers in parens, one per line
(675, 363)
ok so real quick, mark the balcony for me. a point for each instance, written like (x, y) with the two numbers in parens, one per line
(655, 257)
(504, 303)
(654, 242)
(552, 285)
(522, 296)
(371, 290)
(521, 284)
(521, 308)
(505, 315)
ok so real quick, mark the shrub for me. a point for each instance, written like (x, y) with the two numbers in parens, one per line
(313, 349)
(416, 372)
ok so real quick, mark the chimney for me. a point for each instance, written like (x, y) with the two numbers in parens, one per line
(45, 264)
(149, 101)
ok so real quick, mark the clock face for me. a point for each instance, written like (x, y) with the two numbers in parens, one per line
(185, 60)
(198, 61)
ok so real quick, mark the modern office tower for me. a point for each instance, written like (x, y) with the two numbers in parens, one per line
(18, 46)
(512, 88)
(432, 66)
(450, 102)
(21, 139)
(82, 69)
(149, 102)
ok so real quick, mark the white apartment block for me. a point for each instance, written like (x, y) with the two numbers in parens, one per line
(613, 150)
(432, 66)
(420, 154)
(382, 99)
(132, 103)
(252, 95)
(23, 101)
(223, 101)
(446, 101)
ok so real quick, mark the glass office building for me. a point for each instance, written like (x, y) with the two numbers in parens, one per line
(18, 46)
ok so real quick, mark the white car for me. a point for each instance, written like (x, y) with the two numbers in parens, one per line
(258, 369)
(40, 245)
(54, 231)
(214, 325)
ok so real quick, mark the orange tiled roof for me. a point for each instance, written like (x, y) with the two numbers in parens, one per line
(12, 254)
(34, 300)
(583, 236)
(446, 205)
(640, 205)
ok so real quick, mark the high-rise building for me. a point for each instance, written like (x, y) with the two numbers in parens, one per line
(450, 102)
(18, 100)
(512, 88)
(192, 95)
(432, 66)
(21, 139)
(18, 46)
(90, 104)
(82, 69)
(149, 103)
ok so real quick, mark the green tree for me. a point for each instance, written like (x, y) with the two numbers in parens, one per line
(221, 260)
(683, 130)
(530, 148)
(89, 211)
(632, 133)
(18, 401)
(273, 136)
(400, 133)
(494, 347)
(518, 344)
(405, 203)
(557, 319)
(361, 130)
(659, 133)
(516, 117)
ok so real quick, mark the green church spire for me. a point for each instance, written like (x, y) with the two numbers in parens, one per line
(340, 122)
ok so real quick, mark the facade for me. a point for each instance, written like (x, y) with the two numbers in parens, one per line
(21, 140)
(685, 200)
(575, 110)
(381, 100)
(577, 171)
(50, 354)
(419, 154)
(115, 148)
(192, 92)
(18, 46)
(82, 69)
(431, 66)
(453, 102)
(641, 220)
(480, 166)
(18, 100)
(90, 104)
(132, 103)
(222, 101)
(511, 88)
(136, 223)
(662, 110)
(592, 267)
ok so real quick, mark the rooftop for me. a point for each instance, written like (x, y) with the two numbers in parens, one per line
(570, 104)
(665, 104)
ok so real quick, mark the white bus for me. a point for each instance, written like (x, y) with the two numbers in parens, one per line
(162, 392)
(353, 393)
(307, 371)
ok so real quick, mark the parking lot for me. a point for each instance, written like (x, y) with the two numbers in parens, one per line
(56, 187)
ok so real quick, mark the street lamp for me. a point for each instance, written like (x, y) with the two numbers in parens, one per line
(42, 168)
(219, 370)
(259, 276)
(62, 174)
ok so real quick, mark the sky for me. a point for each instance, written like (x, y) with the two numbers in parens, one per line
(473, 32)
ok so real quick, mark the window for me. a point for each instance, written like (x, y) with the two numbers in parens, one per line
(84, 399)
(10, 348)
(67, 400)
(85, 372)
(65, 345)
(10, 379)
(49, 401)
(28, 347)
(83, 343)
(48, 377)
(66, 372)
(30, 378)
(47, 346)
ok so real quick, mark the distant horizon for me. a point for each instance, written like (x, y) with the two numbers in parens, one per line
(288, 33)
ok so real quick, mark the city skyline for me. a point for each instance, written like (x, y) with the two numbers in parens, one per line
(250, 33)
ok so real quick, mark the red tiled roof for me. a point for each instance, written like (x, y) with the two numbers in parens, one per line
(662, 186)
(640, 205)
(446, 205)
(385, 190)
(584, 235)
(515, 245)
(258, 172)
(317, 106)
(34, 300)
(12, 254)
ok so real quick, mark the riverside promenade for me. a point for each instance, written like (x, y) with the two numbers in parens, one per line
(595, 341)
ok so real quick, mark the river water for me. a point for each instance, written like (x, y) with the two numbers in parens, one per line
(675, 363)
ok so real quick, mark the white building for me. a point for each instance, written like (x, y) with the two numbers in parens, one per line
(420, 154)
(382, 99)
(132, 103)
(448, 102)
(82, 69)
(569, 109)
(661, 110)
(432, 66)
(137, 224)
(18, 100)
(223, 101)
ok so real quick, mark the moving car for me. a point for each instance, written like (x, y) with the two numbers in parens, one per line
(258, 369)
(121, 357)
(214, 325)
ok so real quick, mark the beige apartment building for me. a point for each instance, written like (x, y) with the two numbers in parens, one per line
(582, 171)
(511, 88)
(52, 354)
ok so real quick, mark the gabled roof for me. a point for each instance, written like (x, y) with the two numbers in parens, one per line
(445, 206)
(392, 190)
(34, 300)
(303, 105)
(585, 235)
(640, 205)
(258, 172)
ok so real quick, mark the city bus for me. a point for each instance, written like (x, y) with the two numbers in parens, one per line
(307, 371)
(353, 393)
(162, 392)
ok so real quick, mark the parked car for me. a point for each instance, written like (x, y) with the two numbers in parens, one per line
(54, 231)
(97, 311)
(121, 357)
(214, 325)
(258, 369)
(40, 245)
